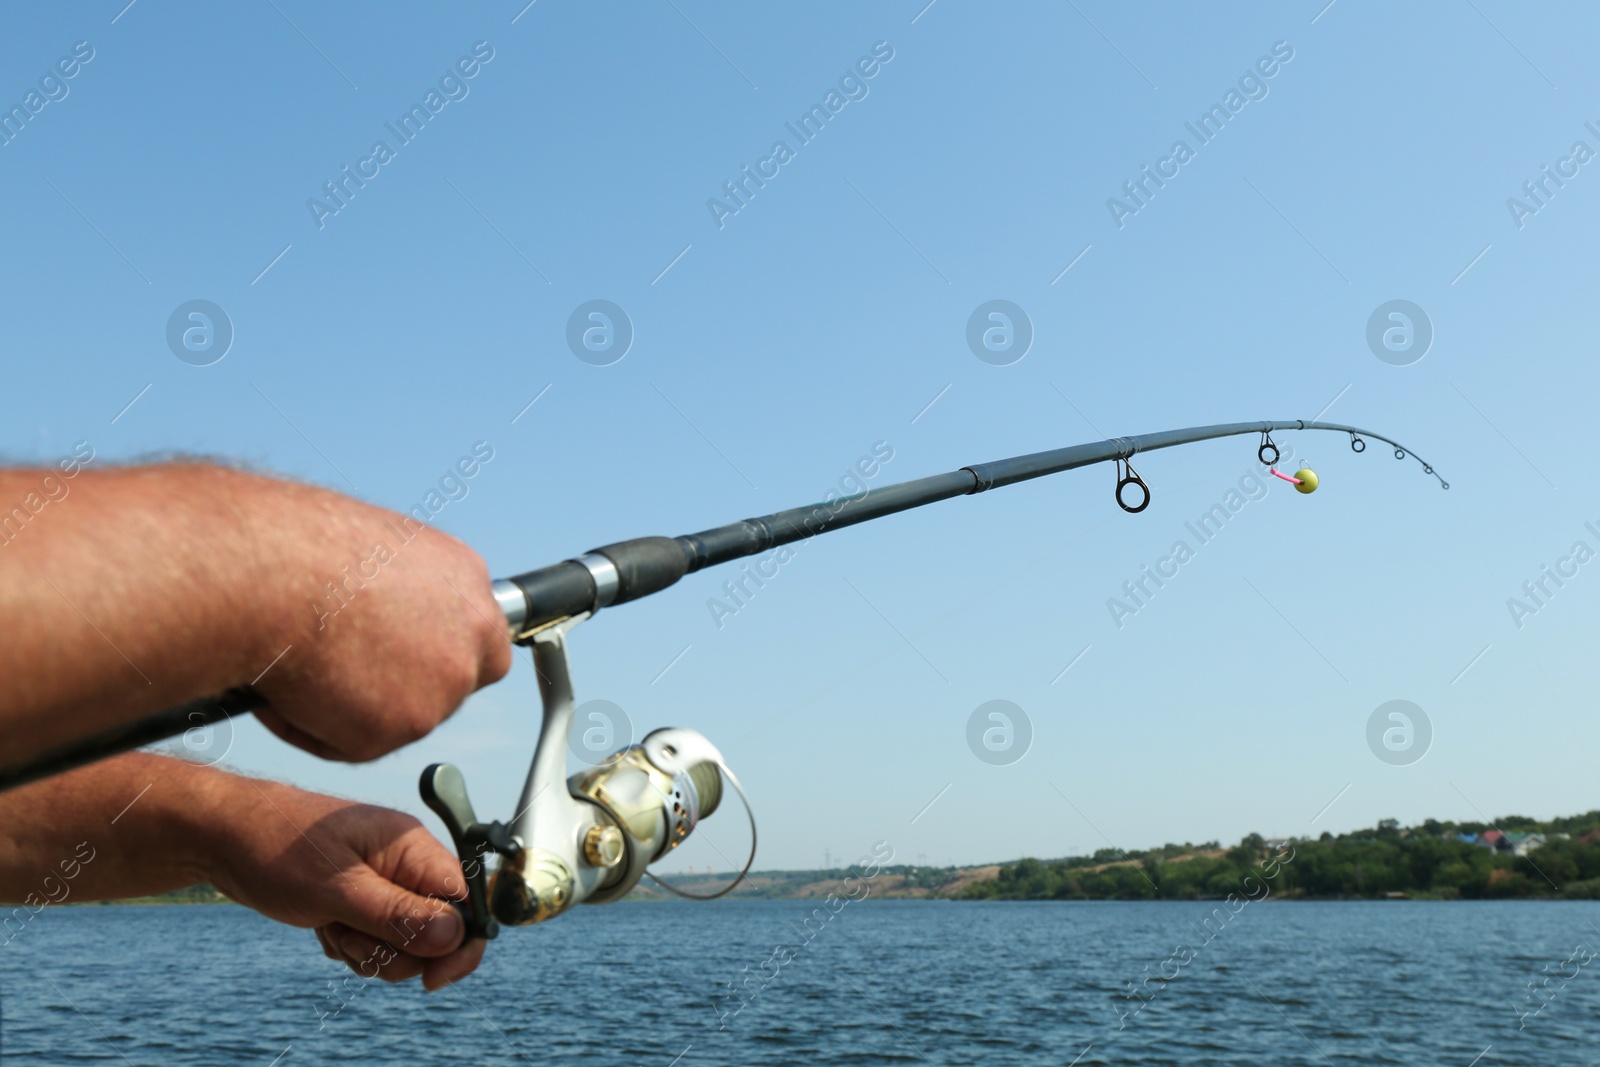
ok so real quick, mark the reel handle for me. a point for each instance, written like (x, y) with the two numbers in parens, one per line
(444, 790)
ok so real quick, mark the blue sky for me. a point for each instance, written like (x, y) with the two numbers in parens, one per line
(771, 351)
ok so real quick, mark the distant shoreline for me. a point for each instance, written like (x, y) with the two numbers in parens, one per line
(1437, 861)
(189, 897)
(160, 902)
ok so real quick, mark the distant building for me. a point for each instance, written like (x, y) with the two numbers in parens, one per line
(1515, 843)
(1520, 844)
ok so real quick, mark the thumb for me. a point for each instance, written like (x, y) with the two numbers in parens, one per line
(414, 924)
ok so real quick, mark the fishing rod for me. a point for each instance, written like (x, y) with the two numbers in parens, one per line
(594, 840)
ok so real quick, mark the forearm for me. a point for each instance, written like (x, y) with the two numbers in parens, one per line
(135, 589)
(131, 826)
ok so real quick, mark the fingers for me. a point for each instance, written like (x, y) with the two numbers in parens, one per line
(496, 661)
(413, 923)
(295, 736)
(371, 958)
(402, 896)
(437, 973)
(477, 596)
(394, 919)
(330, 946)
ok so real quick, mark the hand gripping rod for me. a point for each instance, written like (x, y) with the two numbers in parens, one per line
(628, 570)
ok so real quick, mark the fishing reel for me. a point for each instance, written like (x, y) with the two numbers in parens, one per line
(585, 839)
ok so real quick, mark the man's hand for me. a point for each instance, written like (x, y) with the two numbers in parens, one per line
(140, 588)
(395, 627)
(372, 882)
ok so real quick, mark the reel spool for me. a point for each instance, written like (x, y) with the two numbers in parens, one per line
(591, 838)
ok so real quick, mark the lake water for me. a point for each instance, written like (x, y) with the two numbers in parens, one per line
(880, 982)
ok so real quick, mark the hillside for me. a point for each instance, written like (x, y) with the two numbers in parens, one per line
(1513, 857)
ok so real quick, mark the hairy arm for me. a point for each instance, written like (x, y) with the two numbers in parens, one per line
(372, 882)
(129, 590)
